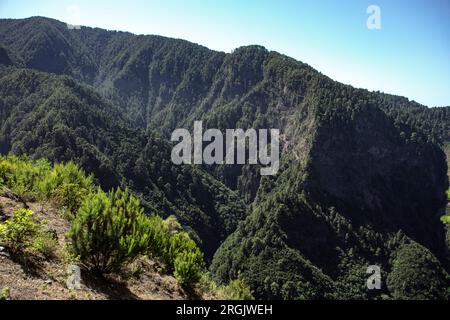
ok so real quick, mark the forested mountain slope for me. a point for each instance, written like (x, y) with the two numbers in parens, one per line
(155, 76)
(362, 178)
(163, 83)
(364, 196)
(54, 117)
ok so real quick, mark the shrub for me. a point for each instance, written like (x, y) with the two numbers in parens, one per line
(185, 258)
(159, 239)
(175, 249)
(5, 293)
(39, 181)
(21, 175)
(67, 184)
(172, 225)
(446, 219)
(109, 230)
(188, 266)
(45, 244)
(235, 290)
(238, 290)
(19, 231)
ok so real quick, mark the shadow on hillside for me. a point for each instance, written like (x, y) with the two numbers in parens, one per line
(191, 294)
(111, 288)
(30, 264)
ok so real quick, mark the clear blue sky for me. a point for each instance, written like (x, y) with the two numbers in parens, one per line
(409, 55)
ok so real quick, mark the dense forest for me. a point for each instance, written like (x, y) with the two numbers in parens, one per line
(363, 175)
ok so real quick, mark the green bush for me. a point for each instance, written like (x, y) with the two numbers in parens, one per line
(109, 230)
(235, 290)
(238, 290)
(18, 232)
(67, 184)
(21, 175)
(175, 249)
(157, 239)
(183, 256)
(446, 219)
(5, 293)
(21, 232)
(172, 225)
(179, 243)
(187, 270)
(37, 180)
(44, 243)
(73, 185)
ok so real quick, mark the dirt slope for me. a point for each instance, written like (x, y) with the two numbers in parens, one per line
(37, 277)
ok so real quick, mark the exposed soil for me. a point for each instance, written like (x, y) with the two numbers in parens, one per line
(29, 277)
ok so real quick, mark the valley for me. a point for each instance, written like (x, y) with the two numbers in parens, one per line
(362, 175)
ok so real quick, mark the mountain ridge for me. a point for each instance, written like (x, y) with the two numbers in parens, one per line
(362, 177)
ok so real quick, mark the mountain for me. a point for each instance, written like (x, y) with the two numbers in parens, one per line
(363, 175)
(324, 220)
(54, 117)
